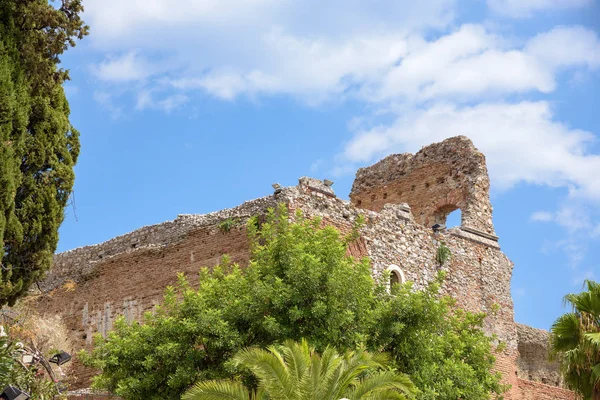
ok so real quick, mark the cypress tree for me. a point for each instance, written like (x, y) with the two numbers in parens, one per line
(39, 147)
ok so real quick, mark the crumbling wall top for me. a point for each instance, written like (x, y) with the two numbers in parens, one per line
(533, 363)
(437, 180)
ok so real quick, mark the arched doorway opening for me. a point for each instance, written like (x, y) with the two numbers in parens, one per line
(396, 275)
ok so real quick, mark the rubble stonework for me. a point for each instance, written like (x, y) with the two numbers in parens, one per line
(437, 180)
(127, 275)
(533, 364)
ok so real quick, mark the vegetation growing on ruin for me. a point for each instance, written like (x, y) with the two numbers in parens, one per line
(227, 224)
(575, 341)
(443, 254)
(300, 284)
(38, 145)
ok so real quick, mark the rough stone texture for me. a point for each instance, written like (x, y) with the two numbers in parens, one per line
(437, 180)
(81, 263)
(533, 363)
(126, 275)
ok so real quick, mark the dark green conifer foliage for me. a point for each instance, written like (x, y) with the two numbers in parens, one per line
(38, 145)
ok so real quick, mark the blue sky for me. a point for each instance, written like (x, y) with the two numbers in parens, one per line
(198, 106)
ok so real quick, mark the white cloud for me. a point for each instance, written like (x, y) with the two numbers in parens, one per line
(574, 217)
(542, 216)
(522, 143)
(469, 63)
(472, 62)
(313, 69)
(527, 8)
(566, 46)
(127, 67)
(574, 250)
(227, 83)
(121, 23)
(146, 100)
(212, 24)
(317, 52)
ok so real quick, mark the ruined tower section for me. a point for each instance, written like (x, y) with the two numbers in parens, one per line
(437, 180)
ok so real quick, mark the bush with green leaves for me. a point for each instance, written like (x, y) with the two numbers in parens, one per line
(441, 346)
(300, 283)
(442, 254)
(26, 378)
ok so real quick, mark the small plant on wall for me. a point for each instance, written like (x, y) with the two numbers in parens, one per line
(226, 225)
(443, 254)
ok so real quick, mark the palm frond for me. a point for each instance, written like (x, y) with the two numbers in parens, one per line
(566, 332)
(575, 340)
(217, 390)
(386, 395)
(294, 371)
(594, 338)
(269, 367)
(297, 357)
(387, 381)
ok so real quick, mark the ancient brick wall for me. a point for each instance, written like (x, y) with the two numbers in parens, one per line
(127, 275)
(437, 180)
(134, 282)
(529, 390)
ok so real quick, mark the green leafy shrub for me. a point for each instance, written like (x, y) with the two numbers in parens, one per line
(442, 347)
(227, 224)
(31, 380)
(300, 283)
(443, 254)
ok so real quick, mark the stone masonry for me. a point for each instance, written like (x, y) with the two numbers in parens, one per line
(401, 197)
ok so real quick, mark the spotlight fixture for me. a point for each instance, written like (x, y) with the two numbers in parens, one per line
(438, 228)
(12, 393)
(27, 359)
(60, 358)
(277, 187)
(327, 182)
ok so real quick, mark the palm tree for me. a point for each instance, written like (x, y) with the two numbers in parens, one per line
(294, 371)
(575, 341)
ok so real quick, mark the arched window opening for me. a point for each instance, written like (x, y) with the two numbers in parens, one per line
(396, 275)
(394, 278)
(454, 219)
(448, 216)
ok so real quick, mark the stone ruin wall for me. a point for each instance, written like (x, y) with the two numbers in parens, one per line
(533, 363)
(127, 275)
(437, 180)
